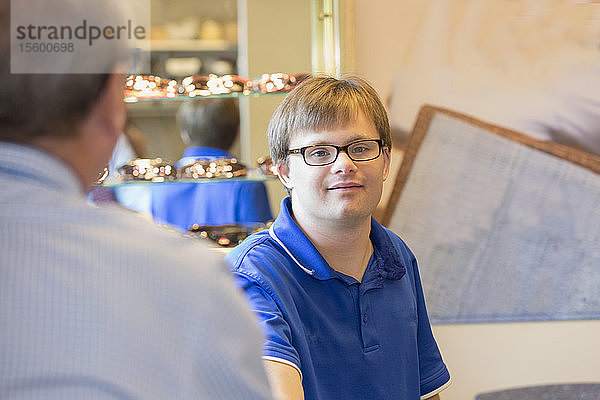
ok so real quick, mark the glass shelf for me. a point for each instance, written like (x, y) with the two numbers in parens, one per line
(114, 182)
(183, 97)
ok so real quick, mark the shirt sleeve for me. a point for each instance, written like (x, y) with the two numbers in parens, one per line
(277, 345)
(434, 374)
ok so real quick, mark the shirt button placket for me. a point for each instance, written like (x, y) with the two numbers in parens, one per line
(361, 316)
(368, 332)
(364, 319)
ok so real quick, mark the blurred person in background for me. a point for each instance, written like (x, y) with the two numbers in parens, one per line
(209, 127)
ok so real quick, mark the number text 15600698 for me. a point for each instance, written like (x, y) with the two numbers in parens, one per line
(46, 47)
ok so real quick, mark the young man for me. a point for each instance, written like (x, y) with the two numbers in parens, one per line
(98, 303)
(338, 296)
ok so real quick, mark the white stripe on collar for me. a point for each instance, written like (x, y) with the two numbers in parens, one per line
(272, 234)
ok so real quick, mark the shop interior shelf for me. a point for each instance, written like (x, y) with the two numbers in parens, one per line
(183, 97)
(113, 182)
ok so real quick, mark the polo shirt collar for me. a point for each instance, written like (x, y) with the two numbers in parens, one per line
(389, 262)
(205, 152)
(28, 162)
(286, 232)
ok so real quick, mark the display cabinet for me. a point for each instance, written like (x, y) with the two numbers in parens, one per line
(256, 37)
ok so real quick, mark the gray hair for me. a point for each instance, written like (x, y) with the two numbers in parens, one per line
(321, 103)
(37, 105)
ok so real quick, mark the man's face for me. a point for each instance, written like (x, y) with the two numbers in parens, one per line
(344, 191)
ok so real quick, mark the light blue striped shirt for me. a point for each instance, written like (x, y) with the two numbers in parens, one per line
(97, 303)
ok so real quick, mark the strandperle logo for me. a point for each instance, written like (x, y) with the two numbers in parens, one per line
(91, 37)
(84, 31)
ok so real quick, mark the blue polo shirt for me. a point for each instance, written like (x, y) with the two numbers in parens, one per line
(212, 203)
(348, 339)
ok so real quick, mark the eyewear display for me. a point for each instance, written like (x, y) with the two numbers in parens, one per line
(220, 168)
(145, 169)
(154, 87)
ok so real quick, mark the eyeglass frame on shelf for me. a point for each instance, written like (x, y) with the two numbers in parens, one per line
(338, 149)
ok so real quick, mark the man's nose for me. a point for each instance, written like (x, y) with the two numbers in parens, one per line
(344, 163)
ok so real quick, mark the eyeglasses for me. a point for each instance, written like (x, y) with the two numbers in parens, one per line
(325, 154)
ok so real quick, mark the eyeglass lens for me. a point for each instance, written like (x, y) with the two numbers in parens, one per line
(358, 151)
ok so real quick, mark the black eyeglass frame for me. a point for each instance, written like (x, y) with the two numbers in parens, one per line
(302, 150)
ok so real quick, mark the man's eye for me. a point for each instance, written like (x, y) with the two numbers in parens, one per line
(319, 153)
(359, 149)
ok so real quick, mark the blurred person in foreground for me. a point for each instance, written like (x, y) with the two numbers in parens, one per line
(209, 127)
(97, 303)
(338, 296)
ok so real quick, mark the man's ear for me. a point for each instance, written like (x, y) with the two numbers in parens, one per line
(90, 148)
(283, 171)
(104, 124)
(110, 113)
(185, 136)
(387, 159)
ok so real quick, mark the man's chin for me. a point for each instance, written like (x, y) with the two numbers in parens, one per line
(352, 212)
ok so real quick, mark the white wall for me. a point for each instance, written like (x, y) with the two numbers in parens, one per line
(442, 51)
(489, 357)
(459, 53)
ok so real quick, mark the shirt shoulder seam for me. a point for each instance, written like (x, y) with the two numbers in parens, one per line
(239, 258)
(256, 278)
